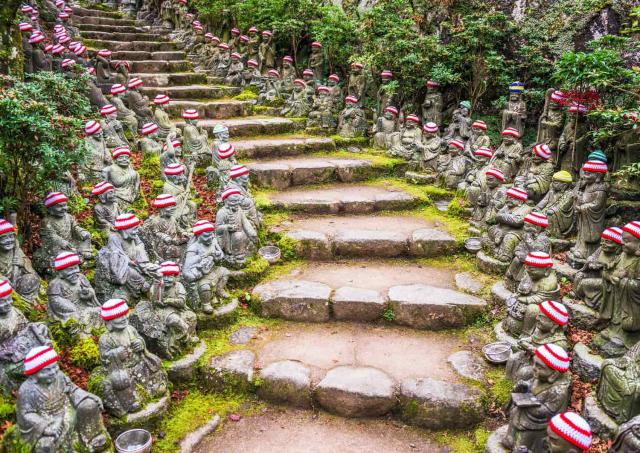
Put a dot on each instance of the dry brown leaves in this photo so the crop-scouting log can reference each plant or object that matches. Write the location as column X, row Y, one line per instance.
column 79, row 376
column 577, row 335
column 207, row 209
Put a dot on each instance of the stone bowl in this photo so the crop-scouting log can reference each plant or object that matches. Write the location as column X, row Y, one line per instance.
column 134, row 441
column 473, row 244
column 271, row 253
column 498, row 352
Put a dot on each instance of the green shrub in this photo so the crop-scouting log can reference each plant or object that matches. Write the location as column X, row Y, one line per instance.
column 85, row 354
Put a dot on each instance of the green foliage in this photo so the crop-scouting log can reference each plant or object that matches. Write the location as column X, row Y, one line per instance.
column 473, row 442
column 247, row 94
column 12, row 443
column 338, row 34
column 7, row 410
column 388, row 314
column 500, row 387
column 85, row 354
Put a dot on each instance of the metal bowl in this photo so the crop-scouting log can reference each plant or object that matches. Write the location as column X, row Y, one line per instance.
column 134, row 441
column 271, row 253
column 498, row 352
column 473, row 244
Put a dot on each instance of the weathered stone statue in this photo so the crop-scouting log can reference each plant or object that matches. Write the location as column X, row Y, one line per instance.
column 236, row 234
column 552, row 119
column 106, row 209
column 122, row 73
column 460, row 126
column 59, row 231
column 568, row 433
column 592, row 284
column 509, row 155
column 17, row 336
column 239, row 179
column 124, row 178
column 537, row 178
column 149, row 142
column 409, row 139
column 40, row 61
column 572, row 144
column 178, row 184
column 111, row 127
column 386, row 93
column 534, row 402
column 162, row 234
column 211, row 56
column 352, row 121
column 534, row 239
column 253, row 46
column 297, row 105
column 138, row 102
column 336, row 94
column 224, row 60
column 161, row 118
column 125, row 116
column 316, row 60
column 103, row 67
column 452, row 171
column 235, row 73
column 15, row 266
column 126, row 363
column 271, row 88
column 617, row 390
column 207, row 281
column 71, row 296
column 515, row 113
column 99, row 157
column 589, row 207
column 479, row 139
column 549, row 328
column 432, row 104
column 310, row 83
column 122, row 266
column 357, row 85
column 628, row 437
column 195, row 145
column 539, row 284
column 267, row 52
column 486, row 197
column 321, row 114
column 53, row 413
column 507, row 231
column 385, row 127
column 165, row 321
column 558, row 205
column 251, row 75
column 478, row 165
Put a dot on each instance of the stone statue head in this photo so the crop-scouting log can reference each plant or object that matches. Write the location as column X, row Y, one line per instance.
column 630, row 244
column 221, row 133
column 508, row 140
column 58, row 210
column 117, row 324
column 111, row 117
column 546, row 325
column 298, row 88
column 47, row 375
column 560, row 186
column 169, row 279
column 543, row 372
column 453, row 150
column 6, row 303
column 233, row 202
column 532, row 229
column 609, row 246
column 286, row 64
column 107, row 197
column 206, row 238
column 123, row 161
column 389, row 116
column 514, row 97
column 167, row 211
column 537, row 273
column 575, row 434
column 7, row 241
column 71, row 274
column 178, row 180
column 129, row 234
column 492, row 181
column 512, row 202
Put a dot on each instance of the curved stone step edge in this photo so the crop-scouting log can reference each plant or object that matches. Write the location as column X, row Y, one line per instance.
column 421, row 243
column 417, row 306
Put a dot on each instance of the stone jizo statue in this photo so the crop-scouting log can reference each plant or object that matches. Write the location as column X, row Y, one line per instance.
column 515, row 113
column 195, row 140
column 138, row 102
column 357, row 84
column 509, row 155
column 386, row 92
column 150, row 142
column 316, row 60
column 178, row 184
column 99, row 157
column 112, row 128
column 126, row 116
column 104, row 75
column 538, row 176
column 486, row 197
column 558, row 205
column 477, row 166
column 123, row 177
column 267, row 52
column 568, row 433
column 627, row 439
column 460, row 126
column 385, row 127
column 479, row 139
column 321, row 114
column 235, row 72
column 161, row 117
column 164, row 237
column 236, row 234
column 239, row 179
column 106, row 209
column 552, row 119
column 297, row 105
column 352, row 121
column 15, row 266
column 505, row 234
column 452, row 171
column 573, row 141
column 534, row 239
column 618, row 392
column 432, row 104
column 410, row 137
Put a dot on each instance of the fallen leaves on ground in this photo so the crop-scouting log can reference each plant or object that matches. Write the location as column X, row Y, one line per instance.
column 79, row 376
column 577, row 335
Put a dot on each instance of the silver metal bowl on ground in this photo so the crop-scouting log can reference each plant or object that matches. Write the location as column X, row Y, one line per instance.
column 497, row 352
column 134, row 441
column 271, row 253
column 473, row 244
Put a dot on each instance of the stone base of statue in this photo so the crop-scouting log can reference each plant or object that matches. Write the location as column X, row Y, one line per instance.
column 586, row 364
column 146, row 418
column 614, row 342
column 601, row 424
column 223, row 315
column 561, row 245
column 500, row 294
column 502, row 335
column 416, row 177
column 490, row 265
column 182, row 370
column 494, row 442
column 581, row 315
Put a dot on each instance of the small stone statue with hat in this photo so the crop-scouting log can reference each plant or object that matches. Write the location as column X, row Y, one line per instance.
column 515, row 113
column 297, row 104
column 15, row 266
column 352, row 121
column 99, row 156
column 236, row 233
column 178, row 184
column 409, row 138
column 534, row 239
column 460, row 126
column 321, row 114
column 432, row 103
column 558, row 205
column 164, row 237
column 569, row 433
column 123, row 177
column 138, row 102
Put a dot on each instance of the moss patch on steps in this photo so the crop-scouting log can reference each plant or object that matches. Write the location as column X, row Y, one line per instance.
column 464, row 441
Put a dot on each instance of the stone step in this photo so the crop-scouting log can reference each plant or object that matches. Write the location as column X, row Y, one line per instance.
column 87, row 12
column 282, row 146
column 323, row 238
column 363, row 291
column 343, row 198
column 127, row 37
column 188, row 92
column 214, row 109
column 88, row 20
column 134, row 45
column 243, row 127
column 117, row 28
column 160, row 66
column 171, row 79
column 132, row 55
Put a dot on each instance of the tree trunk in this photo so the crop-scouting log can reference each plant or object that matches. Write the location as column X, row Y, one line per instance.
column 10, row 40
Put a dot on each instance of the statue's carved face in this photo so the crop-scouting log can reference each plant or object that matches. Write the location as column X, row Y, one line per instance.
column 6, row 303
column 554, row 106
column 108, row 197
column 71, row 274
column 537, row 273
column 242, row 180
column 608, row 246
column 544, row 323
column 130, row 234
column 557, row 444
column 119, row 323
column 168, row 211
column 222, row 136
column 513, row 202
column 389, row 116
column 590, row 176
column 454, row 150
column 410, row 125
column 47, row 375
column 7, row 242
column 630, row 244
column 98, row 135
column 514, row 97
column 560, row 186
column 531, row 228
column 178, row 180
column 298, row 88
column 233, row 202
column 509, row 140
column 492, row 182
column 169, row 280
column 206, row 238
column 542, row 372
column 122, row 161
column 112, row 117
column 58, row 210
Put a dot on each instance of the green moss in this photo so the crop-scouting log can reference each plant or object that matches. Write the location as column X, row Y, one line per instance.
column 140, row 207
column 247, row 94
column 94, row 385
column 7, row 409
column 76, row 204
column 288, row 247
column 85, row 354
column 389, row 315
column 27, row 309
column 12, row 443
column 500, row 387
column 342, row 142
column 98, row 236
column 464, row 442
column 150, row 167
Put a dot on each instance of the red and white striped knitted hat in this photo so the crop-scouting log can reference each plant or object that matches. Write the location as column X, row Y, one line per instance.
column 578, row 109
column 511, row 132
column 518, row 193
column 126, row 221
column 554, row 357
column 323, row 89
column 456, row 144
column 65, row 260
column 202, row 226
column 351, row 100
column 161, row 99
column 412, row 118
column 334, row 77
column 235, row 31
column 386, row 74
column 190, row 114
column 67, row 63
column 572, row 428
column 288, row 58
column 253, row 29
column 92, row 127
column 538, row 259
column 63, row 15
column 496, row 173
column 134, row 82
column 557, row 96
column 176, row 144
column 149, row 128
column 542, row 150
column 316, row 44
column 197, row 27
column 483, row 151
column 36, row 39
column 74, row 45
column 252, row 63
column 308, row 72
column 108, row 109
column 223, row 46
column 555, row 311
column 430, row 127
column 632, row 228
column 391, row 109
column 267, row 33
column 121, row 151
column 236, row 56
column 124, row 63
column 38, row 358
column 118, row 88
column 538, row 219
column 273, row 73
column 64, row 38
column 432, row 84
column 225, row 150
column 238, row 170
column 57, row 49
column 91, row 70
column 613, row 234
column 163, row 200
column 5, row 288
column 595, row 166
column 169, row 268
column 105, row 53
column 60, row 3
column 114, row 308
column 6, row 227
column 79, row 50
column 101, row 188
column 299, row 82
column 26, row 9
column 211, row 37
column 55, row 198
column 479, row 124
column 357, row 65
column 230, row 191
column 24, row 26
column 174, row 169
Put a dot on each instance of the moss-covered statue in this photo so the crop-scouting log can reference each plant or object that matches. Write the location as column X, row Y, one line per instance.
column 352, row 121
column 205, row 278
column 224, row 60
column 627, row 439
column 460, row 126
column 453, row 165
column 271, row 88
column 509, row 155
column 478, row 165
column 150, row 142
column 618, row 392
column 535, row 401
column 106, row 208
column 572, row 145
column 316, row 60
column 589, row 207
column 123, row 177
column 486, row 196
column 321, row 114
column 178, row 184
column 235, row 73
column 125, row 115
column 15, row 266
column 336, row 93
column 592, row 284
column 138, row 102
column 59, row 231
column 99, row 156
column 385, row 128
column 357, row 84
column 164, row 237
column 552, row 119
column 267, row 52
column 253, row 46
column 505, row 234
column 568, row 433
column 432, row 104
column 479, row 139
column 165, row 321
column 534, row 239
column 539, row 172
column 386, row 93
column 123, row 69
column 17, row 336
column 195, row 144
column 515, row 113
column 102, row 63
column 54, row 414
column 549, row 327
column 239, row 179
column 127, row 365
column 297, row 104
column 236, row 233
column 558, row 205
column 161, row 118
column 111, row 127
column 410, row 136
column 540, row 283
column 210, row 54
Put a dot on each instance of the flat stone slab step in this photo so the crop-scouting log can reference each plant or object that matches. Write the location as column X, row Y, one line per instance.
column 187, row 92
column 279, row 147
column 132, row 55
column 323, row 238
column 135, row 45
column 84, row 12
column 116, row 28
column 85, row 20
column 171, row 79
column 127, row 37
column 242, row 127
column 213, row 110
column 352, row 199
column 160, row 66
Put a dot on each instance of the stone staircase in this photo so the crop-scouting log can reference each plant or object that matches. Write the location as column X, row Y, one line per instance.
column 350, row 228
